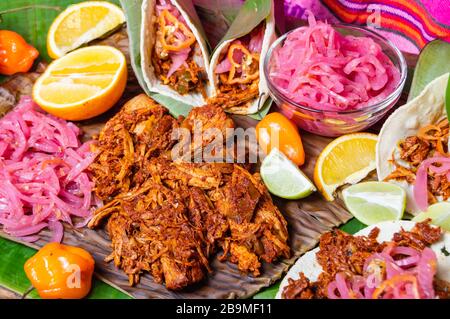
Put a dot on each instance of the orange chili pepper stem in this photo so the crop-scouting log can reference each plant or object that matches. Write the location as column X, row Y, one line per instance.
column 190, row 38
column 61, row 272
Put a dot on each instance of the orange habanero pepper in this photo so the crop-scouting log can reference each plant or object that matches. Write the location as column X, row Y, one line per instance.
column 177, row 25
column 61, row 272
column 16, row 55
column 277, row 131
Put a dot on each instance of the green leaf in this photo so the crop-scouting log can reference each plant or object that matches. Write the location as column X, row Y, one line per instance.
column 263, row 111
column 132, row 9
column 217, row 16
column 220, row 9
column 353, row 226
column 433, row 62
column 268, row 293
column 251, row 14
column 32, row 19
column 12, row 259
column 12, row 276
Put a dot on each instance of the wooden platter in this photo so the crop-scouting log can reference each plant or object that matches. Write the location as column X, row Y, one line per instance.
column 307, row 220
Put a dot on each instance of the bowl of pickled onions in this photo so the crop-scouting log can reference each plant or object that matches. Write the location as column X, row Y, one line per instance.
column 334, row 79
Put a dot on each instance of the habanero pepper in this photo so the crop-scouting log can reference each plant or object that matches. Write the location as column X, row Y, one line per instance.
column 16, row 55
column 277, row 131
column 247, row 60
column 169, row 24
column 61, row 272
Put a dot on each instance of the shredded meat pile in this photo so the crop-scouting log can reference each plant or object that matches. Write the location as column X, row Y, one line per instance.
column 430, row 141
column 168, row 217
column 231, row 96
column 341, row 252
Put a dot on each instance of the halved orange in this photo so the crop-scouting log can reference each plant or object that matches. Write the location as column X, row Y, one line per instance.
column 83, row 84
column 80, row 24
column 346, row 160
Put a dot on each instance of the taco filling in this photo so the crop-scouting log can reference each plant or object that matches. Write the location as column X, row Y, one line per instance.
column 238, row 70
column 423, row 161
column 359, row 267
column 177, row 56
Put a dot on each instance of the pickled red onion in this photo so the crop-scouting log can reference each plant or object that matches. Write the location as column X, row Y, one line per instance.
column 162, row 5
column 178, row 58
column 254, row 41
column 223, row 67
column 401, row 272
column 43, row 169
column 319, row 68
column 421, row 183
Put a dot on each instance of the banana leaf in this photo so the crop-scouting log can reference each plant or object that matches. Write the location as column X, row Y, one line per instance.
column 433, row 62
column 251, row 14
column 217, row 16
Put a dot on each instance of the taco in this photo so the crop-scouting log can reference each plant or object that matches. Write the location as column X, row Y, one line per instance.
column 174, row 52
column 389, row 260
column 412, row 148
column 236, row 69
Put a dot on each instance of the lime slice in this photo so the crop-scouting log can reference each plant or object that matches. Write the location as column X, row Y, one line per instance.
column 374, row 202
column 283, row 178
column 439, row 214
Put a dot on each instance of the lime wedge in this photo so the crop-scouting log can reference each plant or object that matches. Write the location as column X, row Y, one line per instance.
column 439, row 214
column 283, row 178
column 374, row 202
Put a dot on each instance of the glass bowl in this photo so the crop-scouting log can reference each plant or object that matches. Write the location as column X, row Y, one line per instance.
column 336, row 123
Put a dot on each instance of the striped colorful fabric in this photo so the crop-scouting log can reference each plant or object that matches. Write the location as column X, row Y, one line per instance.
column 409, row 23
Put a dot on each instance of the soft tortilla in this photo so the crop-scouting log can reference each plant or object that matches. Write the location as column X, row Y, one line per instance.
column 427, row 108
column 148, row 34
column 255, row 105
column 310, row 267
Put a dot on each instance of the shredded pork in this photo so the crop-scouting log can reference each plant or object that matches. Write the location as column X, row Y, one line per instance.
column 169, row 217
column 430, row 141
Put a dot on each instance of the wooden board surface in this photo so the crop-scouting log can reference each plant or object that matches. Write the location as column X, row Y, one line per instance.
column 307, row 220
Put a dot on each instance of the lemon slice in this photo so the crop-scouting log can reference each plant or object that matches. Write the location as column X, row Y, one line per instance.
column 81, row 23
column 346, row 160
column 439, row 214
column 375, row 202
column 82, row 84
column 283, row 178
